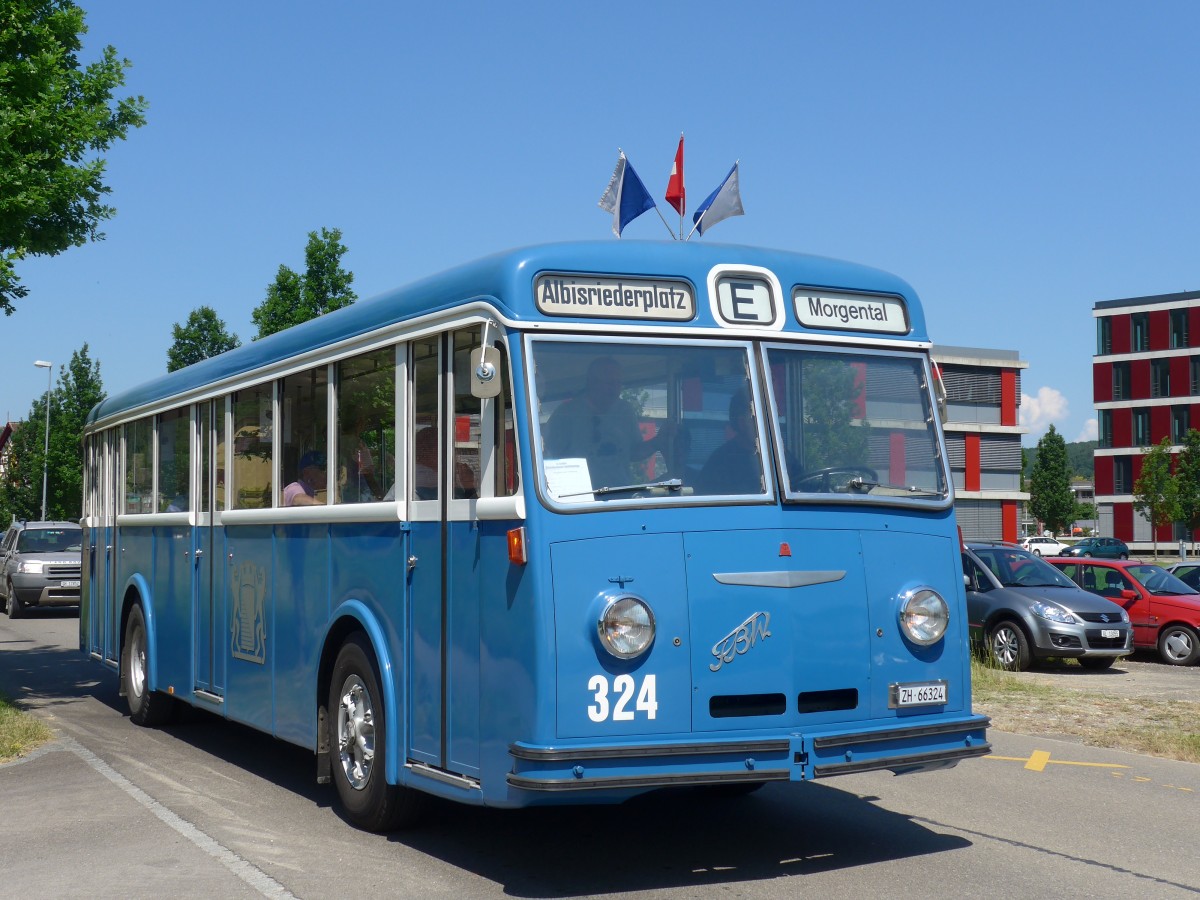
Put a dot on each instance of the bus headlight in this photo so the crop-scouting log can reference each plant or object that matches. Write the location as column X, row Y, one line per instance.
column 924, row 616
column 626, row 627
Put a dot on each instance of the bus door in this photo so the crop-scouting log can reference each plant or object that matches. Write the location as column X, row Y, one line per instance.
column 107, row 586
column 209, row 487
column 450, row 447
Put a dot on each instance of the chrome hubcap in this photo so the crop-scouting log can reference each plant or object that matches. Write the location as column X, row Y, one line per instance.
column 1004, row 646
column 137, row 666
column 1178, row 645
column 356, row 732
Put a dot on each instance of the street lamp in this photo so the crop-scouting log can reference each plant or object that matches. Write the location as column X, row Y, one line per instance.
column 42, row 364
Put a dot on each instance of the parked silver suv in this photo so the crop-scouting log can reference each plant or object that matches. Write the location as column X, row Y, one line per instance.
column 42, row 565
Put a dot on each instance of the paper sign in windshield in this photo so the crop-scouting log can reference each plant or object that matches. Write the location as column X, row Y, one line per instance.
column 850, row 312
column 614, row 297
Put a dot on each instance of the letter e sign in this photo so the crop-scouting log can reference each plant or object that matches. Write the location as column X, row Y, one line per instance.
column 743, row 301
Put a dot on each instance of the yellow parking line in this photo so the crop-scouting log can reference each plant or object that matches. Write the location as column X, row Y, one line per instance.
column 1039, row 759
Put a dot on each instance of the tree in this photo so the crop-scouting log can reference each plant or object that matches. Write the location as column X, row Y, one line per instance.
column 1051, row 499
column 56, row 121
column 203, row 335
column 295, row 298
column 1154, row 493
column 79, row 388
column 1187, row 481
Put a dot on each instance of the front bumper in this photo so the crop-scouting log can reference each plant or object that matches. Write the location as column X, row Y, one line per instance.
column 38, row 590
column 794, row 757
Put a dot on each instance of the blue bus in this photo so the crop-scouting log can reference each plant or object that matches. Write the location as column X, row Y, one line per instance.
column 566, row 524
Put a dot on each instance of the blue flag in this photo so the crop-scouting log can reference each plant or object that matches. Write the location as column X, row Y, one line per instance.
column 722, row 203
column 626, row 197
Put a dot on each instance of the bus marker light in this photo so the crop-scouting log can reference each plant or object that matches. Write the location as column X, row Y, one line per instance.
column 785, row 549
column 516, row 546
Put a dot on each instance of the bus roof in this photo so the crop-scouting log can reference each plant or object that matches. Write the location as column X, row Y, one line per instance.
column 505, row 280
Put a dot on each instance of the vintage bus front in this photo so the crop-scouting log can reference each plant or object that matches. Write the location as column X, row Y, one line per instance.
column 744, row 540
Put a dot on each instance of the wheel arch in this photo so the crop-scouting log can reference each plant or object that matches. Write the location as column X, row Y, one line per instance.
column 354, row 616
column 137, row 593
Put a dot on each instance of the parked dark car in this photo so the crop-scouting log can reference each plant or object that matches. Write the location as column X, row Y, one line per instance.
column 1100, row 547
column 42, row 565
column 1164, row 611
column 1187, row 572
column 1020, row 608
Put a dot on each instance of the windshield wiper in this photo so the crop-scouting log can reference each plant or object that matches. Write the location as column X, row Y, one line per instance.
column 671, row 484
column 861, row 485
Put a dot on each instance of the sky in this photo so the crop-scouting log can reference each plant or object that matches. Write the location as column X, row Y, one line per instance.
column 1015, row 163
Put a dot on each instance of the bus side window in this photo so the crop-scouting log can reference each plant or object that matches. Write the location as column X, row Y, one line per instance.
column 366, row 431
column 505, row 438
column 304, row 422
column 252, row 450
column 467, row 407
column 425, row 427
column 174, row 466
column 139, row 475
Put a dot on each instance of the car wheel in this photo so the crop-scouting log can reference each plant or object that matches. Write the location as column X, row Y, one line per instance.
column 358, row 736
column 1097, row 662
column 1124, row 556
column 1037, row 552
column 13, row 606
column 1087, row 552
column 146, row 707
column 1008, row 647
column 1178, row 645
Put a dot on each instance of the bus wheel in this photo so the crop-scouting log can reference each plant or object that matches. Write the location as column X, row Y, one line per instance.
column 1008, row 647
column 146, row 707
column 1178, row 645
column 358, row 736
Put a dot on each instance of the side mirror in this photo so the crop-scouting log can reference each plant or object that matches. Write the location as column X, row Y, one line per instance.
column 1127, row 594
column 485, row 372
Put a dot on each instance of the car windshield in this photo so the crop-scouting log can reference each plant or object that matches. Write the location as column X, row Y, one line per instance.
column 1157, row 581
column 1018, row 568
column 49, row 540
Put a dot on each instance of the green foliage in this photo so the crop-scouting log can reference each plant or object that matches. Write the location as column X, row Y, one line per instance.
column 56, row 121
column 202, row 336
column 1154, row 493
column 831, row 395
column 79, row 389
column 1082, row 458
column 1187, row 480
column 1051, row 499
column 325, row 286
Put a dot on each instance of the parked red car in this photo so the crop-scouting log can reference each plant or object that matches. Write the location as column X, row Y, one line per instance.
column 1164, row 611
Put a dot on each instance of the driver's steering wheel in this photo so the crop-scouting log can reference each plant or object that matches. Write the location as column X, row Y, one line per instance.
column 822, row 481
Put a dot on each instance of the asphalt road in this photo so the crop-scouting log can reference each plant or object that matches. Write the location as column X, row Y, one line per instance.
column 205, row 808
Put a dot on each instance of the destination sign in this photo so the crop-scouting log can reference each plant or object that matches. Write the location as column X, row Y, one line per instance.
column 614, row 297
column 850, row 312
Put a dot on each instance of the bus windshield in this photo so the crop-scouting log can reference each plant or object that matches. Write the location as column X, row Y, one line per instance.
column 622, row 421
column 671, row 421
column 856, row 423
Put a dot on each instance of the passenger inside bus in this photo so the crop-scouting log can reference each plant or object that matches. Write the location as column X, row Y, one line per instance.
column 601, row 427
column 303, row 491
column 735, row 467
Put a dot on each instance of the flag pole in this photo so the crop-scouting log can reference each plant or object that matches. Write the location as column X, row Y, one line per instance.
column 664, row 221
column 683, row 199
column 697, row 225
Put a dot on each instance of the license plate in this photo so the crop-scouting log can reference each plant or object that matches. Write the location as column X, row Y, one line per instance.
column 68, row 584
column 1109, row 633
column 923, row 693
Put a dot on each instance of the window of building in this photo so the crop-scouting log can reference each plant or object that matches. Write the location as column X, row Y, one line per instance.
column 1120, row 376
column 1139, row 332
column 1122, row 475
column 1103, row 336
column 1179, row 423
column 1160, row 378
column 1179, row 328
column 1195, row 371
column 1104, row 429
column 1141, row 428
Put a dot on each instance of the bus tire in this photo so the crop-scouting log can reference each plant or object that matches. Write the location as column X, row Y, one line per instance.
column 358, row 736
column 1008, row 647
column 1178, row 645
column 146, row 707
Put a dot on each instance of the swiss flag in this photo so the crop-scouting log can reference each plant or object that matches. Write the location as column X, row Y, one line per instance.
column 676, row 195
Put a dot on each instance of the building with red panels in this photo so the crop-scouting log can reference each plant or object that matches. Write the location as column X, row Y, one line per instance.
column 983, row 439
column 1146, row 385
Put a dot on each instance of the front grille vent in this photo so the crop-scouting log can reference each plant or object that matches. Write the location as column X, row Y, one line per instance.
column 736, row 705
